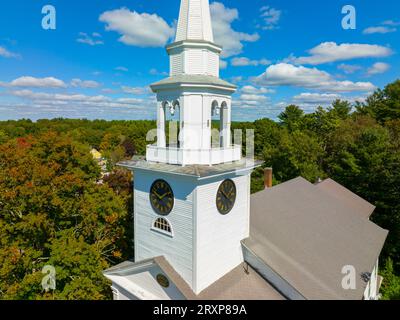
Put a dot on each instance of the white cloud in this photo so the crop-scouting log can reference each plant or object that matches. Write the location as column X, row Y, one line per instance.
column 379, row 29
column 378, row 68
column 253, row 90
column 387, row 26
column 110, row 91
column 236, row 79
column 243, row 62
column 223, row 64
column 86, row 39
column 120, row 68
column 33, row 82
column 135, row 90
column 349, row 68
column 284, row 74
column 310, row 101
column 224, row 34
column 315, row 98
column 330, row 52
column 76, row 99
column 391, row 23
column 253, row 98
column 271, row 17
column 89, row 84
column 254, row 102
column 8, row 54
column 138, row 29
column 155, row 72
column 250, row 96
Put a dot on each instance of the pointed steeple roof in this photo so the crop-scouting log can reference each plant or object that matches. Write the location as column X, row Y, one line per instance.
column 194, row 21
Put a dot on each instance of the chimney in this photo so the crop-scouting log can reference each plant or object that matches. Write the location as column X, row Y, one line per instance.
column 268, row 178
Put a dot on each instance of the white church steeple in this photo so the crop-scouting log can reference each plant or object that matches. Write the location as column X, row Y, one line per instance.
column 194, row 21
column 192, row 194
column 195, row 95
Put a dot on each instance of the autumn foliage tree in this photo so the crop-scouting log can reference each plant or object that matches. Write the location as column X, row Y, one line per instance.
column 52, row 212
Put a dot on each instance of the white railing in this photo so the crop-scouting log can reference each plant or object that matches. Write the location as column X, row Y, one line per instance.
column 173, row 155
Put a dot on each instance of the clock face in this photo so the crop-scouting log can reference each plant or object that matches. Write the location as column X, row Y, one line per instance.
column 161, row 197
column 226, row 197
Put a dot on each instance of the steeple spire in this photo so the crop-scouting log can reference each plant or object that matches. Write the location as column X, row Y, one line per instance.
column 194, row 21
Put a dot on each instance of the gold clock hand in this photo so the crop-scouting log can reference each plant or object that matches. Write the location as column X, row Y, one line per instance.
column 223, row 192
column 158, row 196
column 164, row 195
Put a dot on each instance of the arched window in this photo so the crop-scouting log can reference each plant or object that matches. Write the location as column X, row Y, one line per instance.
column 162, row 225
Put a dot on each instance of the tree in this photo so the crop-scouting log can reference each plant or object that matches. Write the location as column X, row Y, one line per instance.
column 383, row 105
column 390, row 289
column 129, row 146
column 53, row 212
column 3, row 137
column 291, row 117
column 297, row 154
column 340, row 109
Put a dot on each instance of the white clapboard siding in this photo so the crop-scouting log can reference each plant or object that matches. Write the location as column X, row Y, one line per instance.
column 194, row 61
column 194, row 21
column 195, row 27
column 181, row 32
column 213, row 64
column 218, row 237
column 176, row 62
column 178, row 250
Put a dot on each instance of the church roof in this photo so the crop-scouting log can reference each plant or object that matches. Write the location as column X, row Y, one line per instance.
column 307, row 233
column 344, row 195
column 193, row 79
column 242, row 283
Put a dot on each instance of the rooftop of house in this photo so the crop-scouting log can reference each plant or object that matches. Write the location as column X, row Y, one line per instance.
column 307, row 233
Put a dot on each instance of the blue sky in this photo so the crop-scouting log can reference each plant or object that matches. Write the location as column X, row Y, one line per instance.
column 103, row 55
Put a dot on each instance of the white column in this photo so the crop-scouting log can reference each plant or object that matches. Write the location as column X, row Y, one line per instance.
column 161, row 137
column 225, row 125
column 228, row 139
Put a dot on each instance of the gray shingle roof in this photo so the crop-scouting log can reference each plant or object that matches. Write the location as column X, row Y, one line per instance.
column 307, row 235
column 347, row 197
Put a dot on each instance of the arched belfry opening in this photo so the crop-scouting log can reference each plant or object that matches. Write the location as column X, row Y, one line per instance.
column 215, row 124
column 170, row 122
column 220, row 124
column 174, row 124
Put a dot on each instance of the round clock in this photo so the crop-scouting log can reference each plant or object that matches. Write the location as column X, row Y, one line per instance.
column 162, row 280
column 226, row 197
column 161, row 197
